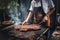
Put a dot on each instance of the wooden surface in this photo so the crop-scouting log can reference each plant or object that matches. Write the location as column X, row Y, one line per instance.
column 26, row 34
column 23, row 27
column 30, row 34
column 28, row 27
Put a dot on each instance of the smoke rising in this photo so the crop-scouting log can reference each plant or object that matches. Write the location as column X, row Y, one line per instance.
column 19, row 13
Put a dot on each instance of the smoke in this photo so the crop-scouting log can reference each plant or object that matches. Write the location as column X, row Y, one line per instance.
column 19, row 13
column 24, row 8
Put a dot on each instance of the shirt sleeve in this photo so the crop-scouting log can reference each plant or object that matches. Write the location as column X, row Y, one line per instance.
column 52, row 5
column 31, row 6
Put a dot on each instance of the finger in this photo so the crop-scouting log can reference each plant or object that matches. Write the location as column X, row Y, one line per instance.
column 23, row 23
column 44, row 20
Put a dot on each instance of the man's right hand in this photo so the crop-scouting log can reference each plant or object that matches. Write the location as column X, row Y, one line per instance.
column 24, row 22
column 28, row 18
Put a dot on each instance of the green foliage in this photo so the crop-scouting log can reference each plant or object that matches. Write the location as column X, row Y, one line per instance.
column 5, row 3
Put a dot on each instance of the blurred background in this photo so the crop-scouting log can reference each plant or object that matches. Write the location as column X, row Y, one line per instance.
column 17, row 11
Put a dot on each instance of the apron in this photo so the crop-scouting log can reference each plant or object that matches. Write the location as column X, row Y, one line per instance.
column 35, row 12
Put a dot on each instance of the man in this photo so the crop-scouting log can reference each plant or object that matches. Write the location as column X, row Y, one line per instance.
column 38, row 9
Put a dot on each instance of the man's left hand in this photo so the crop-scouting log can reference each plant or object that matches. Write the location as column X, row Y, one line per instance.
column 46, row 18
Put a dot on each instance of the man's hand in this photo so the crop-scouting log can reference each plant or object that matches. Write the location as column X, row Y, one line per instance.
column 24, row 22
column 46, row 18
column 28, row 18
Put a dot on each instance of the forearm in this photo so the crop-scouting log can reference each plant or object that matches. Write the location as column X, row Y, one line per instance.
column 51, row 11
column 29, row 16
